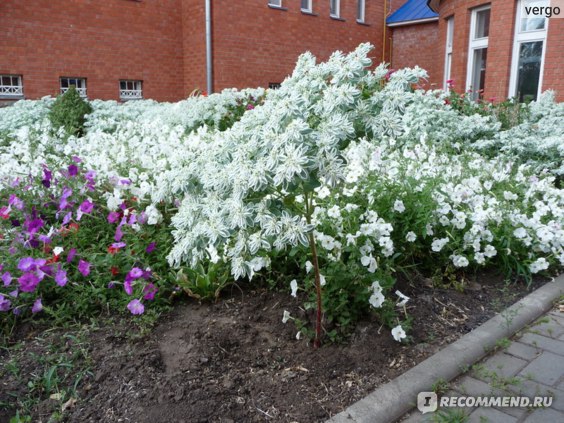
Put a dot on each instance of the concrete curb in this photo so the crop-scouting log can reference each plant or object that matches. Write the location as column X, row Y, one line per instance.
column 392, row 400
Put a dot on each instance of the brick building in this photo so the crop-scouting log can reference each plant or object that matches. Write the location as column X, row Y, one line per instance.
column 165, row 49
column 487, row 45
column 125, row 49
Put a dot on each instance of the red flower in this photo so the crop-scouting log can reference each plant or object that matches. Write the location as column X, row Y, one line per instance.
column 114, row 270
column 113, row 250
column 53, row 259
column 74, row 227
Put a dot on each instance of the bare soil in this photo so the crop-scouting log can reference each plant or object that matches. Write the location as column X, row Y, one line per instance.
column 235, row 361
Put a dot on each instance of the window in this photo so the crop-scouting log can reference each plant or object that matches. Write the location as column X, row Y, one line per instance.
column 78, row 83
column 361, row 10
column 130, row 90
column 478, row 51
column 448, row 54
column 528, row 53
column 306, row 6
column 275, row 3
column 335, row 8
column 11, row 86
column 274, row 85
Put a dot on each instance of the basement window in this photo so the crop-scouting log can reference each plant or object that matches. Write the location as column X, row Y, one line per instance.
column 306, row 6
column 78, row 83
column 130, row 90
column 11, row 86
column 335, row 8
column 275, row 3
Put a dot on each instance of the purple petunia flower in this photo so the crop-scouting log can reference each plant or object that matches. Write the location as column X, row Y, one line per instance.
column 27, row 264
column 86, row 207
column 132, row 219
column 67, row 218
column 142, row 218
column 118, row 244
column 111, row 284
column 47, row 176
column 127, row 286
column 7, row 278
column 16, row 202
column 84, row 267
column 28, row 282
column 151, row 247
column 149, row 292
column 37, row 306
column 113, row 217
column 33, row 225
column 71, row 254
column 76, row 159
column 135, row 273
column 136, row 307
column 61, row 277
column 44, row 239
column 14, row 293
column 5, row 303
column 119, row 234
column 73, row 170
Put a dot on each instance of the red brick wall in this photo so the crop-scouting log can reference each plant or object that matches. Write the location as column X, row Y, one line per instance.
column 101, row 40
column 418, row 45
column 553, row 77
column 254, row 44
column 500, row 46
column 194, row 45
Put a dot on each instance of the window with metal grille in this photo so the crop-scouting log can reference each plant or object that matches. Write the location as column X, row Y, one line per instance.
column 130, row 89
column 11, row 86
column 78, row 83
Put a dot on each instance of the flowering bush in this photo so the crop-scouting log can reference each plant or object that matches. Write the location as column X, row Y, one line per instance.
column 338, row 180
column 58, row 242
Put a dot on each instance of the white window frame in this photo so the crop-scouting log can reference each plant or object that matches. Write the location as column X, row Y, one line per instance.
column 80, row 85
column 308, row 8
column 519, row 38
column 337, row 8
column 275, row 3
column 133, row 93
column 448, row 52
column 11, row 91
column 361, row 11
column 475, row 44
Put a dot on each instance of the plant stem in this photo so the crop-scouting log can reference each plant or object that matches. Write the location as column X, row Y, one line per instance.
column 317, row 341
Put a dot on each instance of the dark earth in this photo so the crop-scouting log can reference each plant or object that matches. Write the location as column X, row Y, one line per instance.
column 232, row 361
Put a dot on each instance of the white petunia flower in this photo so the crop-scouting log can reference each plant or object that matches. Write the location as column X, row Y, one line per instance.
column 410, row 237
column 398, row 333
column 399, row 206
column 286, row 316
column 404, row 298
column 58, row 250
column 294, row 287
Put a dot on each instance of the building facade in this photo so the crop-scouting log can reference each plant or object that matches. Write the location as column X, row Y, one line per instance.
column 127, row 49
column 166, row 49
column 488, row 47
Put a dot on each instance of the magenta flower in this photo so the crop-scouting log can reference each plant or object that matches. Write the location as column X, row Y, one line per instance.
column 47, row 176
column 86, row 207
column 119, row 234
column 73, row 170
column 27, row 264
column 136, row 307
column 149, row 292
column 5, row 303
column 132, row 219
column 71, row 254
column 61, row 277
column 5, row 212
column 84, row 267
column 76, row 159
column 135, row 273
column 67, row 218
column 151, row 247
column 16, row 202
column 28, row 282
column 34, row 225
column 7, row 278
column 37, row 306
column 127, row 286
column 113, row 217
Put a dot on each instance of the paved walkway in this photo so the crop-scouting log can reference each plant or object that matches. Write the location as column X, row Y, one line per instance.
column 530, row 364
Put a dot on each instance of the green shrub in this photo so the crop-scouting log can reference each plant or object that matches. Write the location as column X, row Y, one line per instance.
column 69, row 111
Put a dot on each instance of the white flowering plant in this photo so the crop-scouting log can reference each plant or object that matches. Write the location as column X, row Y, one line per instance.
column 334, row 182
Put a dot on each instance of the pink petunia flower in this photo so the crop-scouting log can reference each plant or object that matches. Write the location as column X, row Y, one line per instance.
column 136, row 307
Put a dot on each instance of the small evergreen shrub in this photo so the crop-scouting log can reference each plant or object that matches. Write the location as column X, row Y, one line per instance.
column 69, row 111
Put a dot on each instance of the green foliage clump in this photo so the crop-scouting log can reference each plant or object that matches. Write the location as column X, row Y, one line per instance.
column 69, row 111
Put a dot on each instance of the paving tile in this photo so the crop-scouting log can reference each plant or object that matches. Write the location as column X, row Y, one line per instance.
column 503, row 365
column 553, row 345
column 470, row 386
column 547, row 368
column 546, row 415
column 523, row 351
column 414, row 417
column 532, row 389
column 553, row 328
column 491, row 415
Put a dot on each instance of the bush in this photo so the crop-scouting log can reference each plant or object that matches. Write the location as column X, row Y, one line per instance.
column 69, row 112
